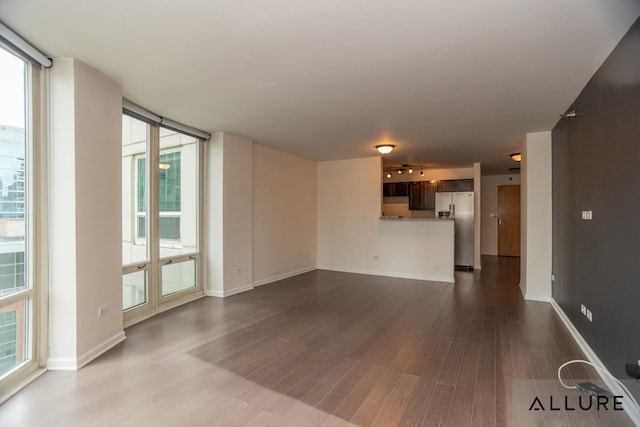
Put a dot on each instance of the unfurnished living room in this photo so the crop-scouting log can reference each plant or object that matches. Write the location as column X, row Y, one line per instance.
column 319, row 213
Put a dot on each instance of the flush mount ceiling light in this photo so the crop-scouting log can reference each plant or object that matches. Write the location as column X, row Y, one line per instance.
column 385, row 148
column 164, row 166
column 517, row 157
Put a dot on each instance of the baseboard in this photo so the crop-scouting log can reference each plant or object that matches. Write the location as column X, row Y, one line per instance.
column 71, row 364
column 445, row 279
column 272, row 279
column 229, row 292
column 631, row 411
column 539, row 298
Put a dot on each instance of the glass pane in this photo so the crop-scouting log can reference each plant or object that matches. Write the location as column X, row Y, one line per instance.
column 178, row 193
column 13, row 336
column 178, row 277
column 134, row 289
column 135, row 134
column 13, row 154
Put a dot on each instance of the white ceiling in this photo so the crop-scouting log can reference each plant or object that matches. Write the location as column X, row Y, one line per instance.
column 451, row 83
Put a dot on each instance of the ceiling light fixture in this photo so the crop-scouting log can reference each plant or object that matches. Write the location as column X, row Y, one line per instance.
column 164, row 166
column 385, row 148
column 388, row 171
column 517, row 157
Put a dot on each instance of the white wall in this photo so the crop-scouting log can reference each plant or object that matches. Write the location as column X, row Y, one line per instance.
column 229, row 215
column 477, row 209
column 62, row 212
column 489, row 209
column 351, row 237
column 86, row 206
column 535, row 261
column 284, row 215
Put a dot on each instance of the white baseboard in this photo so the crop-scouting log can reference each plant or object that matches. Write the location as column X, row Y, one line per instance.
column 539, row 298
column 430, row 278
column 71, row 364
column 229, row 292
column 272, row 279
column 631, row 411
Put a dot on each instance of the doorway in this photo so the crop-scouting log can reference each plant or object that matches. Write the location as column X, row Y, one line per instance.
column 509, row 220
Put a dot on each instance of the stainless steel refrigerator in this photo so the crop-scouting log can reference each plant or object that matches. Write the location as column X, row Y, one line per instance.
column 459, row 206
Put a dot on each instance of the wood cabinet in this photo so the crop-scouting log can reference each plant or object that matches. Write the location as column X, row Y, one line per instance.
column 453, row 185
column 464, row 185
column 395, row 189
column 446, row 186
column 422, row 195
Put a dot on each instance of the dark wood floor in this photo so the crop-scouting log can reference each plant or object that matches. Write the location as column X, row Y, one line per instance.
column 324, row 348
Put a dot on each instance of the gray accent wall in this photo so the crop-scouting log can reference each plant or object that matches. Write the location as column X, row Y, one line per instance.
column 596, row 166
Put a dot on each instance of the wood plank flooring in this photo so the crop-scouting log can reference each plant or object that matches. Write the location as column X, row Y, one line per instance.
column 324, row 349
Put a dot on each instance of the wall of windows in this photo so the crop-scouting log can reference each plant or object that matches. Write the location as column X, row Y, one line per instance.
column 160, row 217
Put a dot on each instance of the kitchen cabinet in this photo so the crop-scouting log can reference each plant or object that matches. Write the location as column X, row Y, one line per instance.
column 395, row 189
column 422, row 195
column 446, row 186
column 464, row 185
column 455, row 185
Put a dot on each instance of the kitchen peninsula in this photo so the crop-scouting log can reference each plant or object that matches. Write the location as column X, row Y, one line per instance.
column 422, row 246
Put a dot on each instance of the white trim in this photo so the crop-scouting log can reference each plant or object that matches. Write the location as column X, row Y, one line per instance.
column 631, row 410
column 22, row 384
column 70, row 364
column 229, row 292
column 445, row 279
column 272, row 279
column 538, row 298
column 24, row 46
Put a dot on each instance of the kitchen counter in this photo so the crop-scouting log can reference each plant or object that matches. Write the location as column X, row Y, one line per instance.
column 414, row 248
column 400, row 218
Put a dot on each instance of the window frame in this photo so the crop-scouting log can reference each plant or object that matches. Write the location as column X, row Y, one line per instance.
column 156, row 302
column 36, row 267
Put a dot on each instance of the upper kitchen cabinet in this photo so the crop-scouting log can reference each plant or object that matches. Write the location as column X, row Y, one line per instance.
column 464, row 185
column 395, row 189
column 453, row 185
column 422, row 195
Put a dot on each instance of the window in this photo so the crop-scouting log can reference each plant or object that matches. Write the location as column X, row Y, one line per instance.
column 169, row 196
column 160, row 218
column 20, row 348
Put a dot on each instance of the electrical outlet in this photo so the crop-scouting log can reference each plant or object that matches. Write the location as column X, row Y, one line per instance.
column 103, row 311
column 583, row 309
column 589, row 316
column 587, row 214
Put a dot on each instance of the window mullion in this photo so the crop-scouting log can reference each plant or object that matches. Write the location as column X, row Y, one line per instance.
column 153, row 217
